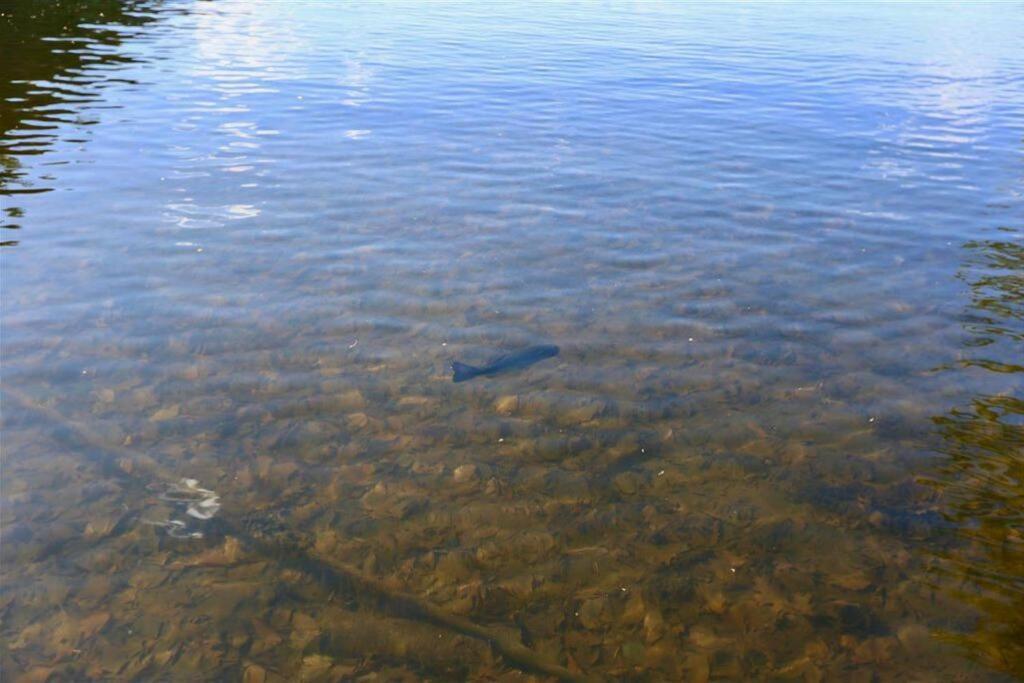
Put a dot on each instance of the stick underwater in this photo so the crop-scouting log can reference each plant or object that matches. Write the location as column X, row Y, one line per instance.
column 331, row 572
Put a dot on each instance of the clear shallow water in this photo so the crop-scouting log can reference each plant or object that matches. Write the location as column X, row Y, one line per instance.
column 779, row 247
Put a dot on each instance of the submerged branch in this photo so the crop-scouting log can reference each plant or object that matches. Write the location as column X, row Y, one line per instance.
column 333, row 573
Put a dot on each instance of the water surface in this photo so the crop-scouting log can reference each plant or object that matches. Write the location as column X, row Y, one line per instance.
column 781, row 249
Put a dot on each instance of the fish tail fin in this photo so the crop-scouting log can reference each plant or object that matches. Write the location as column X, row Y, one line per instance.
column 461, row 372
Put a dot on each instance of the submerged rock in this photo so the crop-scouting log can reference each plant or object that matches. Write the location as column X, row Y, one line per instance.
column 465, row 473
column 506, row 405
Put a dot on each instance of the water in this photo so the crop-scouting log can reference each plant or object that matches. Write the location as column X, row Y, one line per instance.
column 779, row 246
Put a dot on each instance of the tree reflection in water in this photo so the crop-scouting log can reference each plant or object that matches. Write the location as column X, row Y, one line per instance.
column 58, row 57
column 981, row 482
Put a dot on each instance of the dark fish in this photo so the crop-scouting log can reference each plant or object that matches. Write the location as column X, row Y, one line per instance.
column 511, row 361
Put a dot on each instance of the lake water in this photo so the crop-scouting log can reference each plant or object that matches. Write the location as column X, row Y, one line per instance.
column 780, row 247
